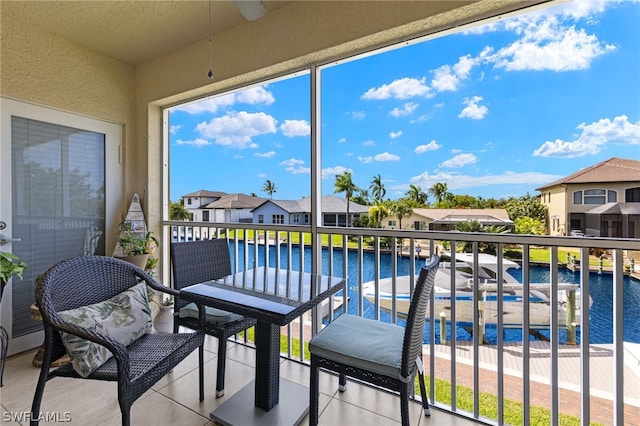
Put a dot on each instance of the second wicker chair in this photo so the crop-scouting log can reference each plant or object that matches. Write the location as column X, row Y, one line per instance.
column 379, row 353
column 194, row 262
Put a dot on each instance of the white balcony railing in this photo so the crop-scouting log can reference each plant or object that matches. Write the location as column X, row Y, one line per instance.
column 584, row 370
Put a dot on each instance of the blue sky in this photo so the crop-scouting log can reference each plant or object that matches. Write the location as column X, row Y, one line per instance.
column 494, row 111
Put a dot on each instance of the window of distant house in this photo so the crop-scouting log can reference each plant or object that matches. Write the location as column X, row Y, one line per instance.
column 632, row 195
column 189, row 201
column 191, row 216
column 295, row 218
column 278, row 218
column 307, row 218
column 577, row 197
column 205, row 216
column 392, row 223
column 595, row 196
column 260, row 218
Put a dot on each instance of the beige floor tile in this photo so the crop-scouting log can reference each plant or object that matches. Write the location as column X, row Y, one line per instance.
column 185, row 389
column 174, row 399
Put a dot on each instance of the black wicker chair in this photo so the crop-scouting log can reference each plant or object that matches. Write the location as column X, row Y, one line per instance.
column 195, row 262
column 382, row 354
column 87, row 280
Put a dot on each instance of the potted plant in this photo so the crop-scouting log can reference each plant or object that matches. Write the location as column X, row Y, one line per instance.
column 136, row 245
column 163, row 320
column 10, row 265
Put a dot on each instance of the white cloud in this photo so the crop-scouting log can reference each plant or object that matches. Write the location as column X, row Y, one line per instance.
column 457, row 181
column 395, row 135
column 357, row 115
column 253, row 96
column 332, row 172
column 342, row 140
column 547, row 44
column 546, row 41
column 295, row 166
column 593, row 138
column 403, row 88
column 459, row 160
column 265, row 154
column 431, row 146
column 175, row 128
column 385, row 156
column 407, row 109
column 464, row 66
column 445, row 79
column 449, row 78
column 198, row 143
column 257, row 95
column 237, row 128
column 369, row 142
column 473, row 110
column 293, row 128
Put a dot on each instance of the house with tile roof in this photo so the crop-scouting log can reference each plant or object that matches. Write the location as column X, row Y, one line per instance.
column 298, row 212
column 194, row 202
column 602, row 200
column 447, row 219
column 231, row 208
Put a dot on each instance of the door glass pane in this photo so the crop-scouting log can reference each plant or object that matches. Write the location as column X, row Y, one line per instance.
column 58, row 203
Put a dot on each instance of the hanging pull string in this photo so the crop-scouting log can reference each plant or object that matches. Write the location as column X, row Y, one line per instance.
column 210, row 74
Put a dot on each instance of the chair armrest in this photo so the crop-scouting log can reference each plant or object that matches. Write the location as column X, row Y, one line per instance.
column 156, row 286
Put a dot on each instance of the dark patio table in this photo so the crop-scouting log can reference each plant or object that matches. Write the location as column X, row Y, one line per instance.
column 274, row 297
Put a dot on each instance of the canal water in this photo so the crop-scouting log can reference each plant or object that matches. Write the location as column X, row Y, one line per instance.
column 601, row 313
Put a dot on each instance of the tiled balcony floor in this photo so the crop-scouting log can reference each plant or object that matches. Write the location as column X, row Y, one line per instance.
column 174, row 399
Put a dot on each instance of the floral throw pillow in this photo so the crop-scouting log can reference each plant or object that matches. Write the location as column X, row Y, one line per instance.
column 125, row 318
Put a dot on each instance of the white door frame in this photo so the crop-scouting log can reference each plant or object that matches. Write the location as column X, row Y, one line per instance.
column 113, row 186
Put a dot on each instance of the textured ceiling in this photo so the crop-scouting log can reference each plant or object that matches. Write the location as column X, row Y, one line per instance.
column 131, row 31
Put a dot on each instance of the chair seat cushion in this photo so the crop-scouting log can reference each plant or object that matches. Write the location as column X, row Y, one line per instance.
column 362, row 343
column 213, row 315
column 125, row 318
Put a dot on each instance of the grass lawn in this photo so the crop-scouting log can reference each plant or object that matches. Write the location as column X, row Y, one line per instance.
column 540, row 254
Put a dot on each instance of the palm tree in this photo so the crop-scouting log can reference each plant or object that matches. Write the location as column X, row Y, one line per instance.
column 377, row 188
column 401, row 210
column 362, row 197
column 177, row 211
column 378, row 212
column 416, row 194
column 439, row 191
column 269, row 187
column 345, row 184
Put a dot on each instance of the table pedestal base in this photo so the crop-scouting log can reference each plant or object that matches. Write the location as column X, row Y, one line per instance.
column 239, row 410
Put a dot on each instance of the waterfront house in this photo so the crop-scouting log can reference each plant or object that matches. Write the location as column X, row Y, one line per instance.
column 231, row 208
column 602, row 201
column 195, row 203
column 298, row 212
column 447, row 219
